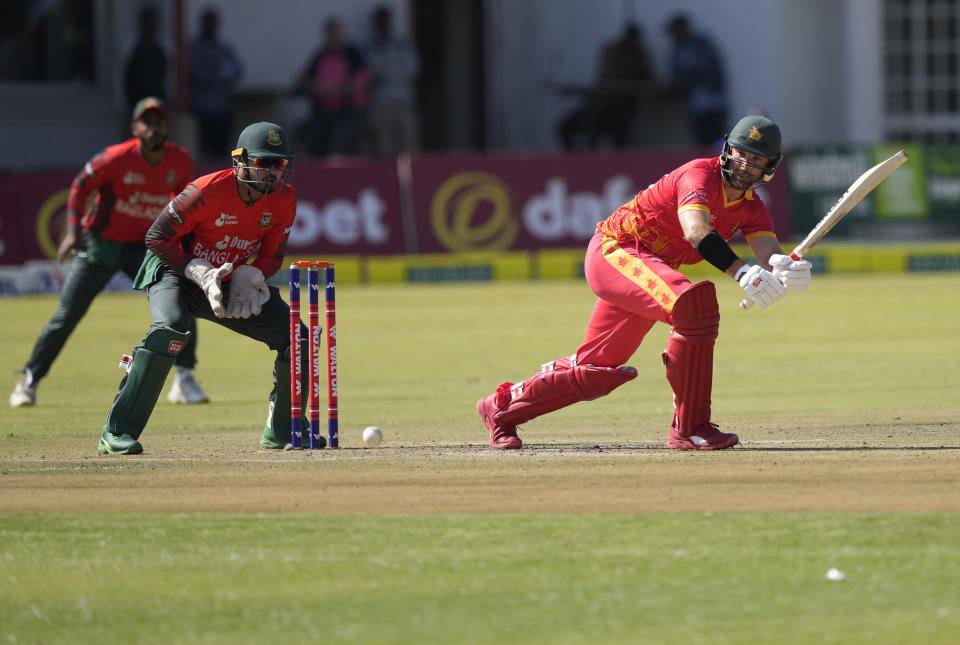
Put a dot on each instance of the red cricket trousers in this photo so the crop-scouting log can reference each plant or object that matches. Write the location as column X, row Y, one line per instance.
column 635, row 289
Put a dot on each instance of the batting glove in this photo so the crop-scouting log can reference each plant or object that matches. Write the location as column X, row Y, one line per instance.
column 793, row 274
column 203, row 273
column 248, row 292
column 761, row 287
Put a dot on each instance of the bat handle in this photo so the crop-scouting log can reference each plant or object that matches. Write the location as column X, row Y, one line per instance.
column 795, row 257
column 746, row 303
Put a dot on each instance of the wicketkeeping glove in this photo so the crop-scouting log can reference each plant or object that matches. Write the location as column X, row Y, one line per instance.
column 793, row 274
column 761, row 286
column 248, row 292
column 203, row 273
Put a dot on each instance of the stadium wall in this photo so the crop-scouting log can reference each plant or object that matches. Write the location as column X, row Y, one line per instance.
column 445, row 217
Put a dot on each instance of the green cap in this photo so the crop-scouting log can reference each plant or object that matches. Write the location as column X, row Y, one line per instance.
column 756, row 134
column 144, row 105
column 264, row 140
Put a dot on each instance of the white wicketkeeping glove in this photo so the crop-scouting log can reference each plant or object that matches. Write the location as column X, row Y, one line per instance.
column 248, row 292
column 793, row 274
column 203, row 273
column 761, row 287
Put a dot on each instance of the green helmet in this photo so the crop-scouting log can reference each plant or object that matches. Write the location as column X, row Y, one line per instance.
column 262, row 150
column 757, row 135
column 263, row 140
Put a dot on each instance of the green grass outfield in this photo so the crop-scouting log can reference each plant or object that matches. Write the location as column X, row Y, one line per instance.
column 793, row 381
column 534, row 578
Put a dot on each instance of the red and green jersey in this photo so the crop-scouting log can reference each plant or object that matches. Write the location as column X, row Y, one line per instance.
column 208, row 220
column 130, row 192
column 652, row 216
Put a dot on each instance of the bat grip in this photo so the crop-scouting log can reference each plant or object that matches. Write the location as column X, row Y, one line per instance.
column 795, row 257
column 746, row 303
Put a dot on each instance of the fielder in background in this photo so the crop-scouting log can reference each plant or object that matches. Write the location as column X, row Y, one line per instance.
column 132, row 180
column 197, row 267
column 632, row 265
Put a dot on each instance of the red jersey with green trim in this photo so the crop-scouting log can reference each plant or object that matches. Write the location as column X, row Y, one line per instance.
column 652, row 216
column 208, row 220
column 130, row 192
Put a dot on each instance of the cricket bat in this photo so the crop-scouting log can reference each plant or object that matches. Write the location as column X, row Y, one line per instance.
column 853, row 196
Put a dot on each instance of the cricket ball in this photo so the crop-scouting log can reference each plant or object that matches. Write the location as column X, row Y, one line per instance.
column 372, row 436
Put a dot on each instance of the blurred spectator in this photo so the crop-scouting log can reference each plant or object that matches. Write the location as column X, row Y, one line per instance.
column 214, row 71
column 47, row 41
column 696, row 72
column 145, row 72
column 624, row 75
column 338, row 80
column 394, row 66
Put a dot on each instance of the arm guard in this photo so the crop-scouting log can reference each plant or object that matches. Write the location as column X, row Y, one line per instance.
column 716, row 251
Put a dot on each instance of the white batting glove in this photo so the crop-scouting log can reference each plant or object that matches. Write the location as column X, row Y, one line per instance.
column 248, row 292
column 203, row 273
column 761, row 287
column 793, row 274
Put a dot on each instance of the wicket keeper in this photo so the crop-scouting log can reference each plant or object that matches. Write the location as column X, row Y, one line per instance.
column 209, row 254
column 132, row 181
column 633, row 263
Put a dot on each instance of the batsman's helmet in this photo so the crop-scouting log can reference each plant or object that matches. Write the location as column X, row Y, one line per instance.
column 757, row 135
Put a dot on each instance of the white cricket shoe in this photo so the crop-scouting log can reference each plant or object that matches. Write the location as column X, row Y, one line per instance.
column 23, row 395
column 185, row 389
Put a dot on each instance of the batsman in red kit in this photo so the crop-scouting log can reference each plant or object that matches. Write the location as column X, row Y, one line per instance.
column 209, row 254
column 632, row 264
column 132, row 181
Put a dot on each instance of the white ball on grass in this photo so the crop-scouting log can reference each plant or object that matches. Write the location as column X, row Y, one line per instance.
column 372, row 436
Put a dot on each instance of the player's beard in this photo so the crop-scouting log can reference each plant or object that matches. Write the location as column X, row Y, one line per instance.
column 741, row 177
column 154, row 142
column 266, row 184
column 264, row 187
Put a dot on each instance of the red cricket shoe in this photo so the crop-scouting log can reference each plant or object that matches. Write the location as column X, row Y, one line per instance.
column 707, row 437
column 501, row 437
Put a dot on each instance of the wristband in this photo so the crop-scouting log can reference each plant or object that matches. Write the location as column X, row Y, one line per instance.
column 741, row 271
column 73, row 221
column 716, row 251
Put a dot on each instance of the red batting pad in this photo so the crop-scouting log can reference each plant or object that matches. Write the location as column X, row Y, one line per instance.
column 559, row 386
column 689, row 355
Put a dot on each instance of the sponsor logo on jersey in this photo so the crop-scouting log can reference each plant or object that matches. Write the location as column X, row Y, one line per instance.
column 226, row 219
column 234, row 242
column 216, row 257
column 171, row 177
column 134, row 178
column 147, row 198
column 173, row 213
column 265, row 220
column 141, row 205
column 698, row 195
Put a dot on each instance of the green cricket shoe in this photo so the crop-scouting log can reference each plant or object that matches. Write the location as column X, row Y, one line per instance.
column 124, row 444
column 269, row 441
